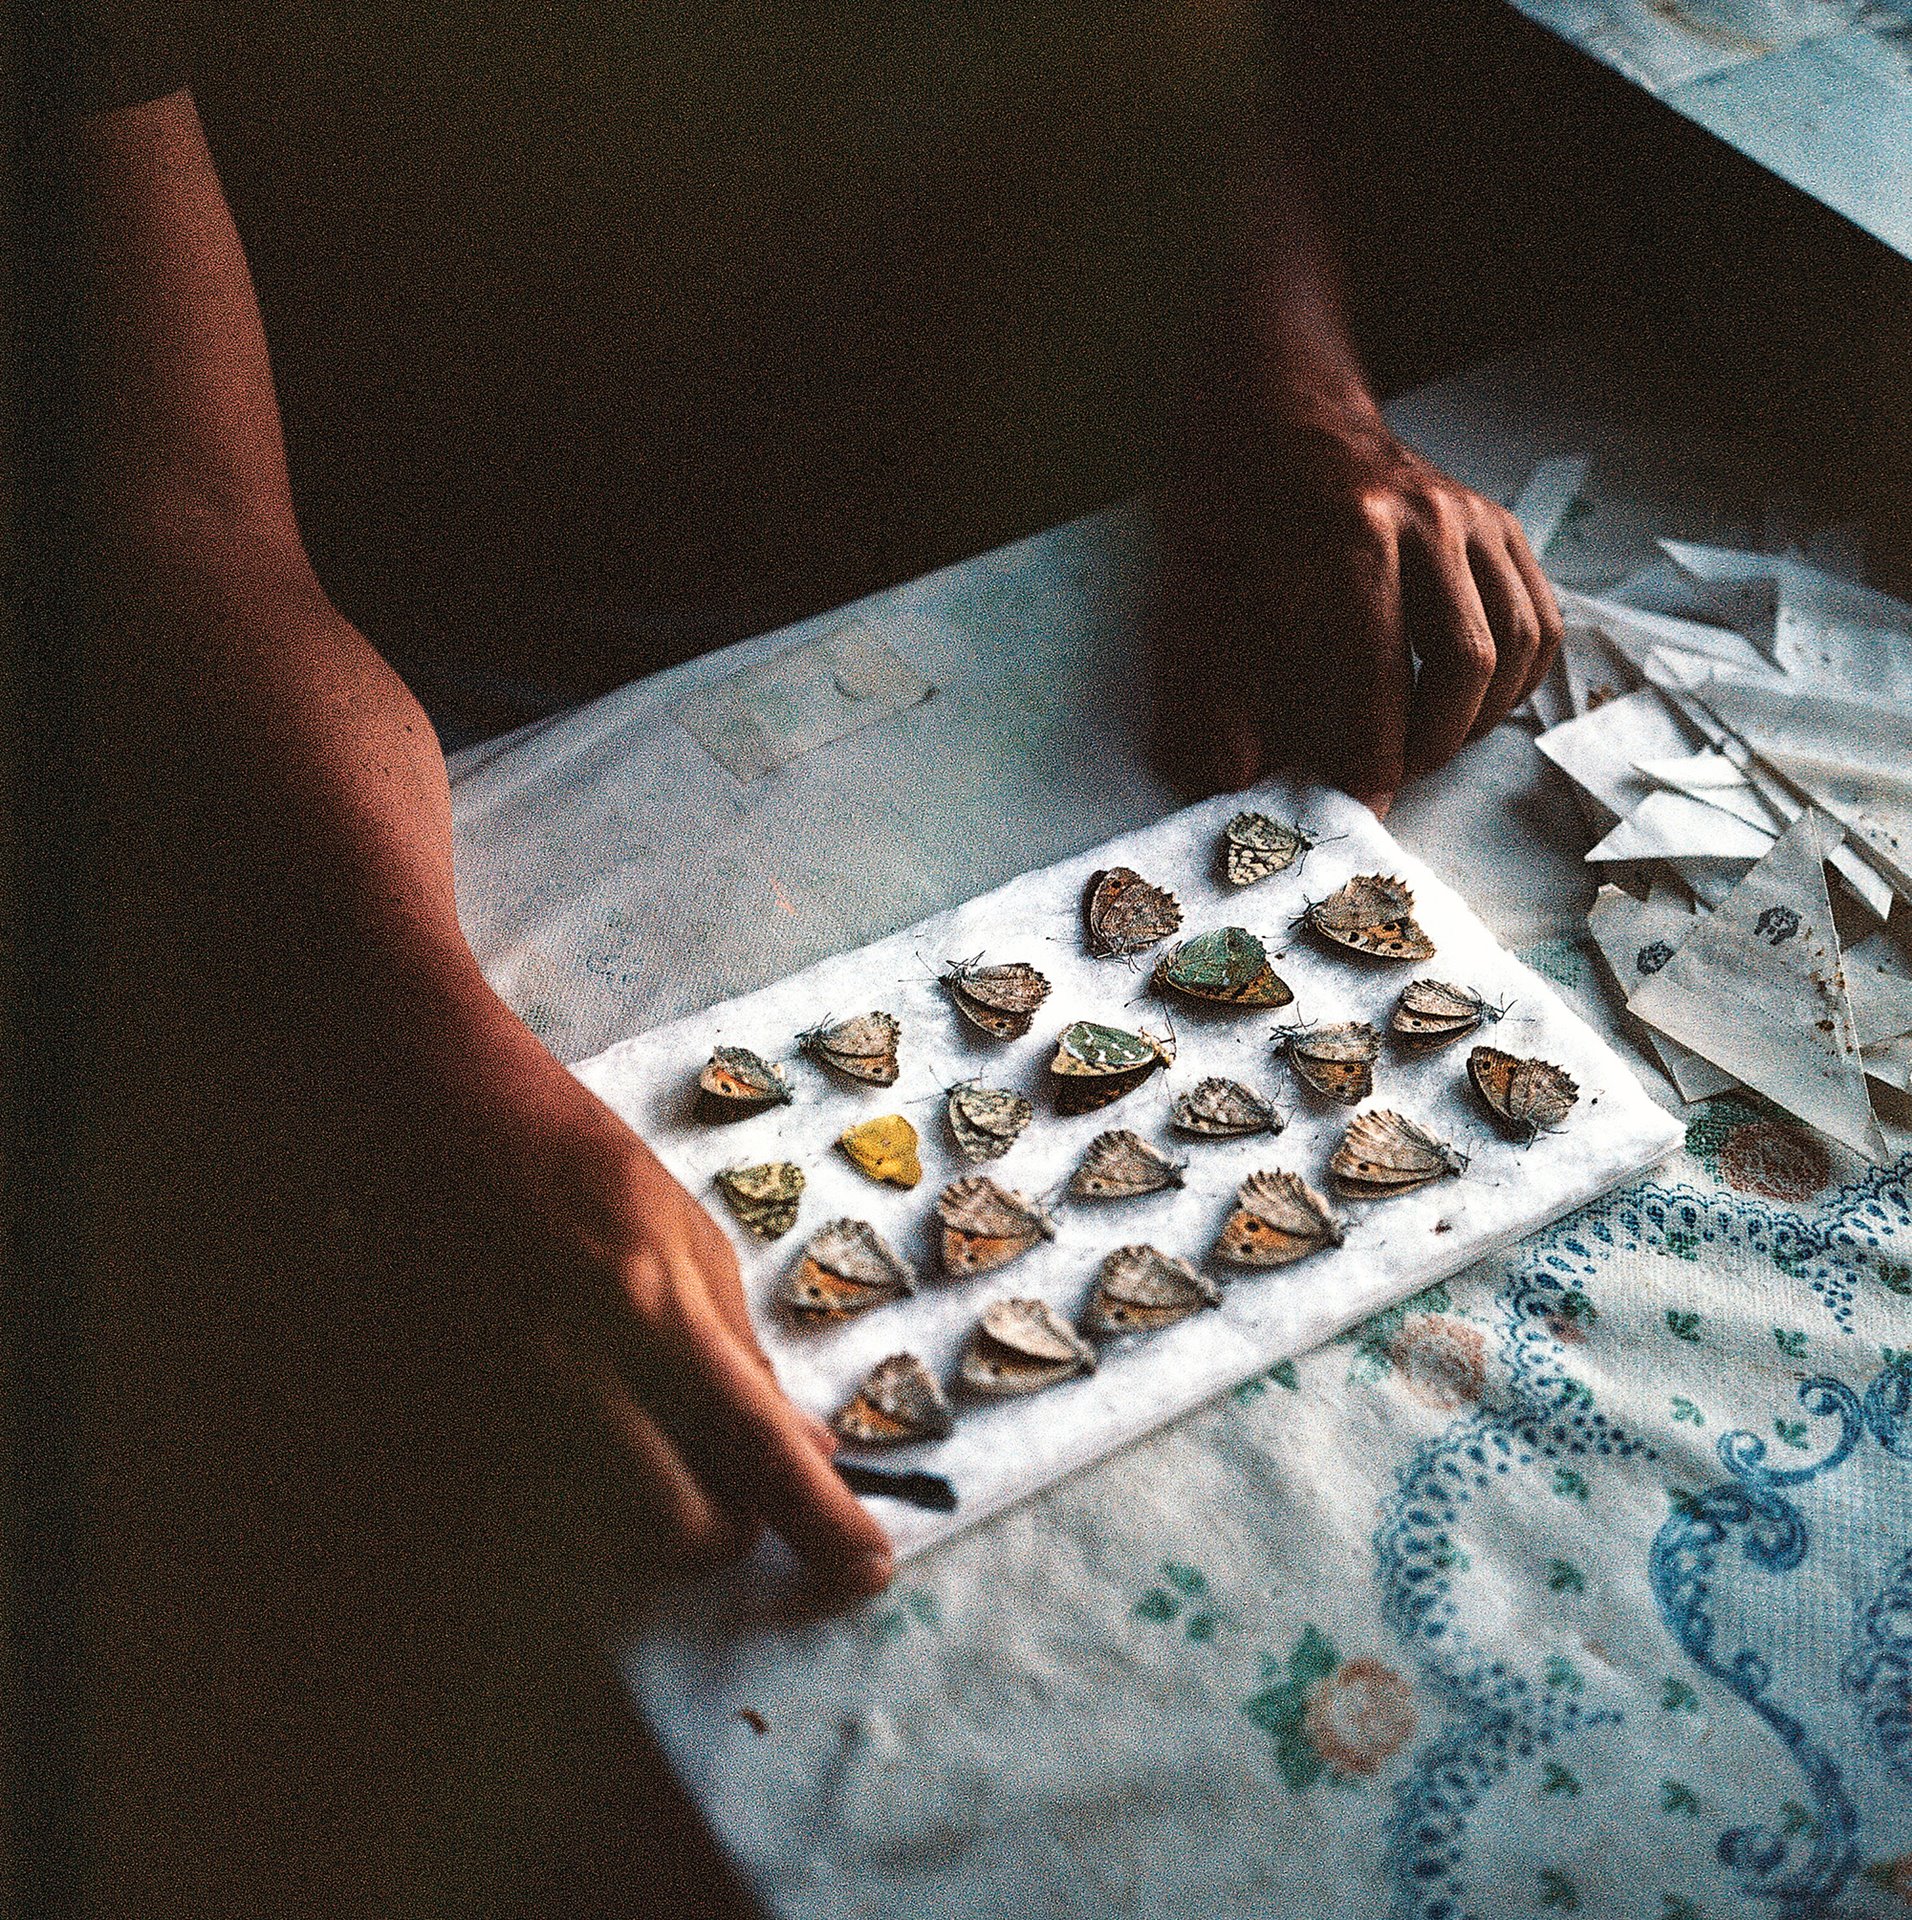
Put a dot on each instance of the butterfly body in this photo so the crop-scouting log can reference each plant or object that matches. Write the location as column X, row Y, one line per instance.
column 1372, row 915
column 764, row 1198
column 1022, row 1346
column 1336, row 1061
column 1120, row 1165
column 1278, row 1219
column 735, row 1083
column 1525, row 1096
column 1227, row 967
column 1127, row 914
column 985, row 1226
column 999, row 1000
column 1095, row 1064
column 845, row 1268
column 1255, row 846
column 883, row 1149
column 1139, row 1290
column 986, row 1121
column 898, row 1403
column 1431, row 1014
column 860, row 1049
column 1384, row 1154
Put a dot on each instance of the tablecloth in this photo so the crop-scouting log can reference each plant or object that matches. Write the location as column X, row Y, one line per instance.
column 1579, row 1584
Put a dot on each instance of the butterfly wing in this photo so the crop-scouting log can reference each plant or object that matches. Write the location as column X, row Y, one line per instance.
column 1385, row 1153
column 884, row 1149
column 1139, row 1290
column 1022, row 1346
column 1278, row 1219
column 1120, row 1165
column 1223, row 1110
column 898, row 1402
column 1127, row 914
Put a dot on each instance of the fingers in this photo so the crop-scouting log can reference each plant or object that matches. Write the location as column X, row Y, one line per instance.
column 1540, row 592
column 1456, row 647
column 1362, row 717
column 755, row 1452
column 1514, row 626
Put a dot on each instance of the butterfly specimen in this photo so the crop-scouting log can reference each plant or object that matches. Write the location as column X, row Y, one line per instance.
column 987, row 1121
column 845, row 1268
column 1121, row 1164
column 1254, row 846
column 1096, row 1064
column 1278, row 1218
column 736, row 1083
column 1223, row 1110
column 1337, row 1061
column 1525, row 1096
column 863, row 1049
column 1374, row 915
column 1127, row 915
column 1022, row 1346
column 1138, row 1290
column 1227, row 967
column 1384, row 1153
column 883, row 1148
column 987, row 1226
column 1430, row 1013
column 900, row 1401
column 764, row 1198
column 1001, row 1000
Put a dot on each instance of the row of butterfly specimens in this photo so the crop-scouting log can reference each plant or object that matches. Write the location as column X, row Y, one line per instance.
column 1018, row 1346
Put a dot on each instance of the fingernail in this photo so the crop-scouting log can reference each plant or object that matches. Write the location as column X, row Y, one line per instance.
column 821, row 1434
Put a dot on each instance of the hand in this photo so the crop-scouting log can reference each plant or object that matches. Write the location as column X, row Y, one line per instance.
column 632, row 1292
column 1331, row 605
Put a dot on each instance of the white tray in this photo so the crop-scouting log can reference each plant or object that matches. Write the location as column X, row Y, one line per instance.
column 1002, row 1453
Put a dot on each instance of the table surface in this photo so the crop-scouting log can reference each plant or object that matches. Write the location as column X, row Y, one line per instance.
column 1817, row 91
column 1580, row 1583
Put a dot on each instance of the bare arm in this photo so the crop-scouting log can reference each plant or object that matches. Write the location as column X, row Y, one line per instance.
column 250, row 725
column 1310, row 559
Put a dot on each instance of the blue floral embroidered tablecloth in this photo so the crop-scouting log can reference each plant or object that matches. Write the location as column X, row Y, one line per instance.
column 1581, row 1584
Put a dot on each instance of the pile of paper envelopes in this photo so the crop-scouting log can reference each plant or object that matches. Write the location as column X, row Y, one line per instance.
column 1740, row 728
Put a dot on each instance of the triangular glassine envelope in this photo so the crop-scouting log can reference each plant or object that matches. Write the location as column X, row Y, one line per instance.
column 1635, row 633
column 1880, row 992
column 1739, row 589
column 1869, row 886
column 1713, row 779
column 1544, row 497
column 1890, row 1062
column 1839, row 633
column 1597, row 752
column 1755, row 987
column 1632, row 935
column 1848, row 756
column 1674, row 826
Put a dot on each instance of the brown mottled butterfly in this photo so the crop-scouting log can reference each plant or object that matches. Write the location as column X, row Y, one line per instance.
column 1223, row 1110
column 1278, row 1219
column 736, row 1083
column 1022, row 1346
column 1138, row 1290
column 1126, row 914
column 763, row 1198
column 1383, row 1154
column 987, row 1121
column 1001, row 1000
column 899, row 1402
column 1430, row 1014
column 1337, row 1061
column 1120, row 1165
column 986, row 1226
column 1372, row 915
column 860, row 1049
column 845, row 1268
column 1525, row 1096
